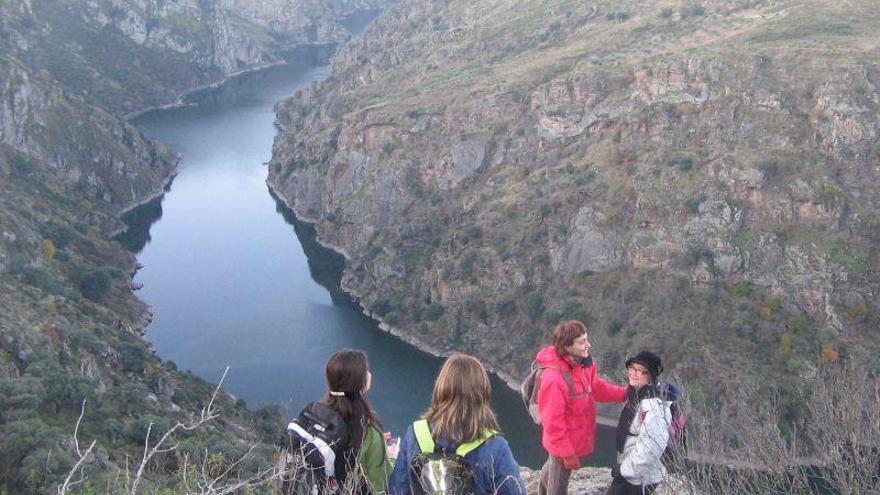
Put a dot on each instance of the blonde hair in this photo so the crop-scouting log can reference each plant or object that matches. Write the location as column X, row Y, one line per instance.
column 460, row 405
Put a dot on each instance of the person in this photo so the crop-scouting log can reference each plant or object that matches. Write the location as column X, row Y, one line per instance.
column 643, row 429
column 570, row 387
column 348, row 380
column 460, row 413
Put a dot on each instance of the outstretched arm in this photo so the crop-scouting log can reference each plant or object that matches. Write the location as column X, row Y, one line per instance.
column 604, row 391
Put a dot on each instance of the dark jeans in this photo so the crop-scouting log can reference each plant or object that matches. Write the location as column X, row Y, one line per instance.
column 619, row 486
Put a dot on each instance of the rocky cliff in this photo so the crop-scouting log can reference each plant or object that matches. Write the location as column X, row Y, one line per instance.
column 696, row 178
column 127, row 55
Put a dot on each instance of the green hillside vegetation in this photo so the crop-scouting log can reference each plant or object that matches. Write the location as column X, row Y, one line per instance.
column 71, row 328
column 65, row 305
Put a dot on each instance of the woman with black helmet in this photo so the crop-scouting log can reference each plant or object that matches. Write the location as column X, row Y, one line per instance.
column 643, row 429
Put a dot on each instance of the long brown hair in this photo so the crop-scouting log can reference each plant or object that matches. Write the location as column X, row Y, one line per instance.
column 460, row 408
column 346, row 372
column 565, row 333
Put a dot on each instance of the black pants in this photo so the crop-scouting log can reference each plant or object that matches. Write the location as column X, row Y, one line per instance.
column 619, row 486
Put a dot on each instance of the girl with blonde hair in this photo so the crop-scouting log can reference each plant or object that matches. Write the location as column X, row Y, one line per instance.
column 459, row 424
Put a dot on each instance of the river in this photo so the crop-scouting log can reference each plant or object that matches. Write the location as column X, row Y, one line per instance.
column 234, row 279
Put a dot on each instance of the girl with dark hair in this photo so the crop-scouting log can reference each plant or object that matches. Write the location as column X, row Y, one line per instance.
column 349, row 379
column 460, row 420
column 570, row 387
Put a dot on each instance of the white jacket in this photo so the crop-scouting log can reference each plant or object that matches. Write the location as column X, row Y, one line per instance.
column 649, row 433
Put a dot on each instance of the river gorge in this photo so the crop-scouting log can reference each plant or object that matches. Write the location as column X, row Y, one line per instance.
column 234, row 279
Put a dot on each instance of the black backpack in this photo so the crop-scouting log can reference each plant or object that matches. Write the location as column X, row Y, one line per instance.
column 316, row 452
column 441, row 472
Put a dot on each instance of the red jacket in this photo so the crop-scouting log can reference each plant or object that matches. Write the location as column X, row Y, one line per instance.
column 569, row 424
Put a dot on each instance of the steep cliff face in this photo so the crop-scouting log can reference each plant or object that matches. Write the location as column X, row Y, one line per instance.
column 699, row 179
column 95, row 155
column 125, row 55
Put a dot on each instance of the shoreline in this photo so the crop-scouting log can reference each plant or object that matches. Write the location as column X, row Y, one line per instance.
column 157, row 193
column 180, row 101
column 510, row 381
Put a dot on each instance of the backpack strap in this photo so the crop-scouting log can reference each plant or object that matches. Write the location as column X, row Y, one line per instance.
column 569, row 381
column 422, row 431
column 423, row 436
column 566, row 375
column 468, row 447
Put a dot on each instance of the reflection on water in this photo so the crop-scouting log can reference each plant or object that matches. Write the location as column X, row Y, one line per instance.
column 325, row 265
column 139, row 220
column 234, row 279
column 246, row 89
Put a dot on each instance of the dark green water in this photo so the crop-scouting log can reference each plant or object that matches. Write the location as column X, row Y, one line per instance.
column 234, row 279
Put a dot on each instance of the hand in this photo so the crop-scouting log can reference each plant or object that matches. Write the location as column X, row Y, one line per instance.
column 615, row 471
column 392, row 445
column 571, row 462
column 393, row 450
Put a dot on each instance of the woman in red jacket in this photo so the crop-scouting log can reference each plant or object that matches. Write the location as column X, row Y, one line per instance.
column 570, row 386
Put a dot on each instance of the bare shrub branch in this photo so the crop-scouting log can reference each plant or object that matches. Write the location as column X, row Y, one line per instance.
column 82, row 456
column 750, row 439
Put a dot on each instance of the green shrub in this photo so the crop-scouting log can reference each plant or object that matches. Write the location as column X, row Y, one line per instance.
column 19, row 394
column 693, row 205
column 875, row 149
column 382, row 307
column 94, row 283
column 136, row 430
column 134, row 356
column 538, row 235
column 693, row 9
column 20, row 164
column 433, row 312
column 574, row 310
column 22, row 439
column 61, row 390
column 696, row 254
column 534, row 306
column 478, row 308
column 798, row 324
column 614, row 327
column 742, row 289
column 467, row 263
column 685, row 163
column 505, row 306
column 586, row 177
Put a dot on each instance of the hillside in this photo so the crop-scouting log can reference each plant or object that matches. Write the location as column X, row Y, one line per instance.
column 695, row 178
column 128, row 55
column 70, row 165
